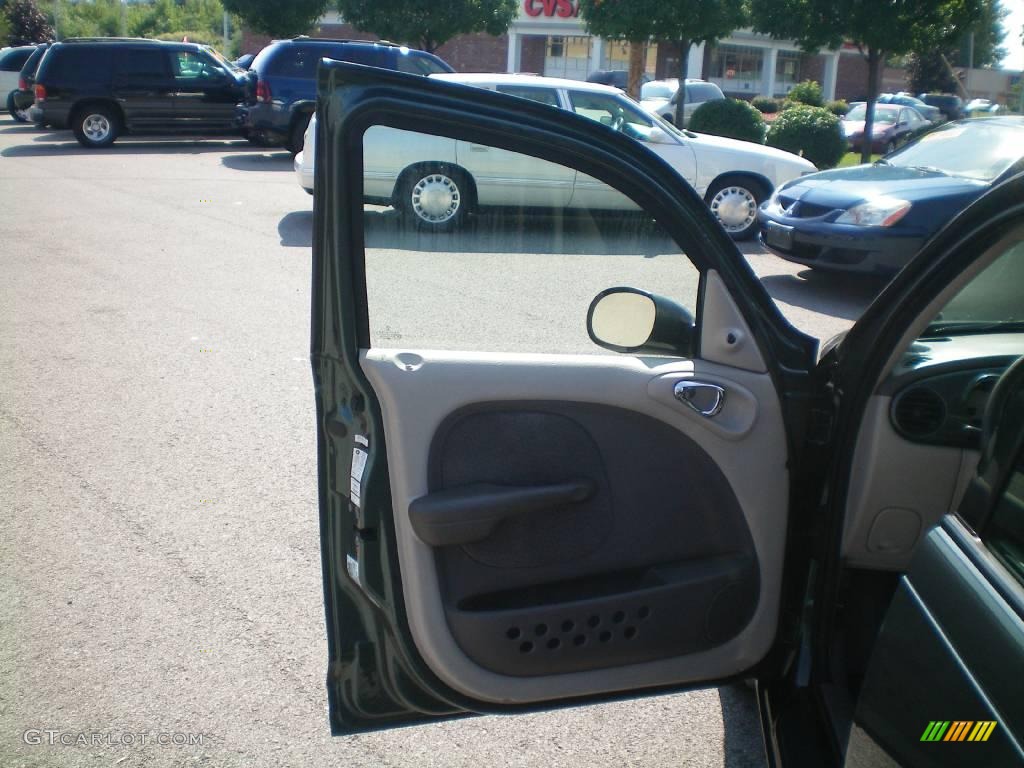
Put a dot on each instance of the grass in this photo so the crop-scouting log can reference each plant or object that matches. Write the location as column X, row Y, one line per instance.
column 853, row 158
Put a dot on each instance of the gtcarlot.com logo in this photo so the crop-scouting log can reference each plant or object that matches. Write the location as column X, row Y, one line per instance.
column 958, row 730
column 56, row 737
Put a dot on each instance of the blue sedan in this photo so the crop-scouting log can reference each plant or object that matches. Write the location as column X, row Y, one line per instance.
column 874, row 218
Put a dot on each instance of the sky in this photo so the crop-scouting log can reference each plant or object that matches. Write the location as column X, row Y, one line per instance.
column 1012, row 42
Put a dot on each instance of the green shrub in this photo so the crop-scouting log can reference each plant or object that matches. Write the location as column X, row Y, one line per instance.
column 839, row 107
column 808, row 92
column 788, row 104
column 813, row 132
column 765, row 105
column 733, row 118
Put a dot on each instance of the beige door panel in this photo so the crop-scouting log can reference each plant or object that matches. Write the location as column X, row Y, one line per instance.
column 418, row 390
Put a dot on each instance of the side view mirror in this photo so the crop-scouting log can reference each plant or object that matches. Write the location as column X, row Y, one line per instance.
column 633, row 321
column 659, row 136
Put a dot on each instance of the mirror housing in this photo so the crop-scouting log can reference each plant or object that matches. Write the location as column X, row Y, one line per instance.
column 637, row 322
column 659, row 136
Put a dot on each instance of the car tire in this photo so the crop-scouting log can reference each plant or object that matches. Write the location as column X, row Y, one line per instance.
column 734, row 202
column 297, row 135
column 96, row 126
column 890, row 146
column 436, row 198
column 21, row 115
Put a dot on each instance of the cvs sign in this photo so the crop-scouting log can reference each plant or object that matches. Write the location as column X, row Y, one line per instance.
column 562, row 9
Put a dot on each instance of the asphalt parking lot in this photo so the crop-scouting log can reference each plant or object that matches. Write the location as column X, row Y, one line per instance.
column 160, row 566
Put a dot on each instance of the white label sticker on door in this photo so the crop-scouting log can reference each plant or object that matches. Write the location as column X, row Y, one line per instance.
column 353, row 568
column 356, row 484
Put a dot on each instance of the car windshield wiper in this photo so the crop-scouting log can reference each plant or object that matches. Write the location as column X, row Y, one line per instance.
column 928, row 169
column 966, row 327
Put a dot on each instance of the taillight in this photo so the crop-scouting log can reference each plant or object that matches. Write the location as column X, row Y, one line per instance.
column 22, row 84
column 262, row 92
column 40, row 92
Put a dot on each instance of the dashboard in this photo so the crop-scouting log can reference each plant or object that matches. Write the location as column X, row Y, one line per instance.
column 941, row 386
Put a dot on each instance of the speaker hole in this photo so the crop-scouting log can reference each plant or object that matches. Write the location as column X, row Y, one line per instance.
column 554, row 643
column 541, row 630
column 568, row 626
column 630, row 633
column 593, row 621
column 512, row 633
column 579, row 641
column 618, row 617
column 644, row 612
column 605, row 636
column 526, row 647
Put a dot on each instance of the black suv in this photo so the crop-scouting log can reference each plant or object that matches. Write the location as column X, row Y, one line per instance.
column 101, row 88
column 949, row 104
column 285, row 96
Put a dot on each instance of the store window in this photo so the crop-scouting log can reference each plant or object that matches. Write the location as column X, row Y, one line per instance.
column 616, row 56
column 567, row 57
column 787, row 71
column 737, row 68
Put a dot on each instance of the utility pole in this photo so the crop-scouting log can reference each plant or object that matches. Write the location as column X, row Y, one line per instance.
column 227, row 35
column 124, row 19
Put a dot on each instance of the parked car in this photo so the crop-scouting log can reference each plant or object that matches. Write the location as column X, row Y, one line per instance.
column 285, row 95
column 11, row 62
column 874, row 218
column 981, row 106
column 893, row 126
column 927, row 111
column 23, row 97
column 705, row 500
column 948, row 103
column 661, row 97
column 245, row 60
column 617, row 78
column 101, row 89
column 733, row 176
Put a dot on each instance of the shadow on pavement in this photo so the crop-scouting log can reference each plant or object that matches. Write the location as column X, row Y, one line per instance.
column 743, row 745
column 54, row 147
column 839, row 295
column 296, row 229
column 21, row 128
column 524, row 231
column 259, row 161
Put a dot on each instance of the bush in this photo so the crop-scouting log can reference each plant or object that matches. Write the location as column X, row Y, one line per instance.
column 765, row 105
column 808, row 92
column 788, row 104
column 813, row 132
column 839, row 107
column 733, row 118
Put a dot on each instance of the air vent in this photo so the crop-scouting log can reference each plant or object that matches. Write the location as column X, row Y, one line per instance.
column 918, row 412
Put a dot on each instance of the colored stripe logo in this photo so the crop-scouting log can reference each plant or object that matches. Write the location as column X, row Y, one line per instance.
column 958, row 730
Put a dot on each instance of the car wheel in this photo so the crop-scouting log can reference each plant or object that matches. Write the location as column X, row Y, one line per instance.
column 96, row 126
column 734, row 203
column 297, row 136
column 890, row 146
column 436, row 198
column 21, row 115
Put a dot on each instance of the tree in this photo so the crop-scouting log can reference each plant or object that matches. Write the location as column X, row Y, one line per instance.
column 278, row 18
column 26, row 23
column 929, row 73
column 879, row 30
column 428, row 24
column 684, row 21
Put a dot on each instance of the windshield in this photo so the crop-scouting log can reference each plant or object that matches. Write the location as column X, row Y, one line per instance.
column 657, row 91
column 885, row 115
column 991, row 302
column 981, row 149
column 230, row 66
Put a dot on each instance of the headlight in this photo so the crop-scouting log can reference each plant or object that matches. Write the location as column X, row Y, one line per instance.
column 880, row 212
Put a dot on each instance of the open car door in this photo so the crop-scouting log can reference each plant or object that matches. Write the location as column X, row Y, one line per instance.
column 529, row 496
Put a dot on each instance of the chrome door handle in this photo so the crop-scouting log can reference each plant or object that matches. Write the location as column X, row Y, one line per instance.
column 705, row 399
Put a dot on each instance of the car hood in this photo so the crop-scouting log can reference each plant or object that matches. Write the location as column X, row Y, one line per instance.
column 846, row 186
column 708, row 145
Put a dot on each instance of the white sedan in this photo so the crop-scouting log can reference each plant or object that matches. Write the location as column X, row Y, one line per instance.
column 438, row 181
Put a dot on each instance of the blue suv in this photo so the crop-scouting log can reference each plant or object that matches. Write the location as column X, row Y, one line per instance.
column 285, row 95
